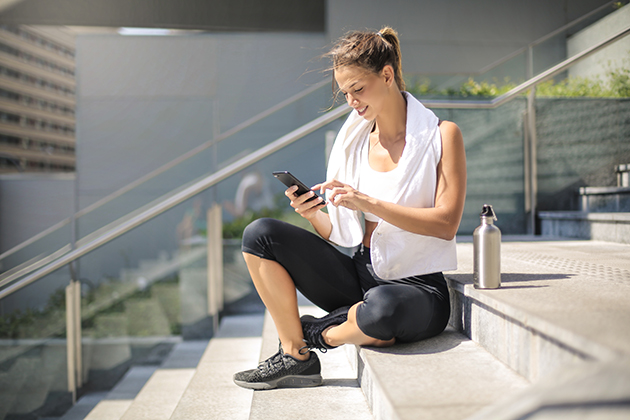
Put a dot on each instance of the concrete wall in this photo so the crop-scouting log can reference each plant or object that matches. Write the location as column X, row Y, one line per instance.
column 580, row 140
column 31, row 203
column 144, row 100
column 614, row 56
column 458, row 36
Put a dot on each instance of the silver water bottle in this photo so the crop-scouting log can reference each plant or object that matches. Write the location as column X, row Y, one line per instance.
column 487, row 251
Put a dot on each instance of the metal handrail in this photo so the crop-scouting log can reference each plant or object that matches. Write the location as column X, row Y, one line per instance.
column 257, row 118
column 167, row 166
column 276, row 145
column 180, row 197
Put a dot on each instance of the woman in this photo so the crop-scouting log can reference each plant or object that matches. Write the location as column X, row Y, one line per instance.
column 402, row 171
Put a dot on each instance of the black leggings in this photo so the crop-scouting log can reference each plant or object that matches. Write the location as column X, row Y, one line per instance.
column 409, row 309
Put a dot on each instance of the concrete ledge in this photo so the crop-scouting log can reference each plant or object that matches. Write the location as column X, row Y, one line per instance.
column 604, row 190
column 211, row 393
column 159, row 397
column 611, row 227
column 584, row 391
column 579, row 215
column 445, row 377
column 555, row 299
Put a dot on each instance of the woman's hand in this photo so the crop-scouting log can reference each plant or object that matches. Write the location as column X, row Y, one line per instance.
column 344, row 195
column 309, row 209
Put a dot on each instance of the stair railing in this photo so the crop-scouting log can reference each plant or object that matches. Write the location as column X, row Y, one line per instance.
column 35, row 263
column 73, row 301
column 529, row 48
column 180, row 196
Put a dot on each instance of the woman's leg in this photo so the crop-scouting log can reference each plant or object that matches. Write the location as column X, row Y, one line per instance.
column 350, row 333
column 393, row 312
column 282, row 257
column 277, row 291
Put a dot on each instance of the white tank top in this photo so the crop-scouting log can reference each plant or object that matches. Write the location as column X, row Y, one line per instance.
column 374, row 183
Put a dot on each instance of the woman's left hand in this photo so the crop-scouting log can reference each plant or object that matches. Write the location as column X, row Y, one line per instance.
column 344, row 195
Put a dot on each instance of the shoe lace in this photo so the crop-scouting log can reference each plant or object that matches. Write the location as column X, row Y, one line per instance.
column 312, row 331
column 272, row 364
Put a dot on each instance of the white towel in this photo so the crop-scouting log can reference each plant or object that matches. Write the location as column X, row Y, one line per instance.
column 414, row 186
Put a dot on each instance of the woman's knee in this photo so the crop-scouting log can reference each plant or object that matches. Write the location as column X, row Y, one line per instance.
column 257, row 235
column 257, row 228
column 379, row 314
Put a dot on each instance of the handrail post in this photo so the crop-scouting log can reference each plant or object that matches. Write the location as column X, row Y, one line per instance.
column 215, row 264
column 530, row 167
column 73, row 338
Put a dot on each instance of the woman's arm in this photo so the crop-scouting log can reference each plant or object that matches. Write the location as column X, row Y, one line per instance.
column 441, row 221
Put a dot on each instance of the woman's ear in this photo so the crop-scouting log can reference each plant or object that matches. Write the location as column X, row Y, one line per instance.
column 388, row 75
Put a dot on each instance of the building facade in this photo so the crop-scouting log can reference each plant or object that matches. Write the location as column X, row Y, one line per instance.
column 37, row 99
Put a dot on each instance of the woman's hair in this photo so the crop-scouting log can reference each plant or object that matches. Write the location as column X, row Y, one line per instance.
column 370, row 51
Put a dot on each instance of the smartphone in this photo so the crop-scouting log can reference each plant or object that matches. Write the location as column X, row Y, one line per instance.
column 289, row 180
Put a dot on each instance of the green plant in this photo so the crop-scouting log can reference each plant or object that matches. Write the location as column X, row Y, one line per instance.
column 616, row 84
column 572, row 87
column 234, row 229
column 36, row 323
column 484, row 89
column 470, row 88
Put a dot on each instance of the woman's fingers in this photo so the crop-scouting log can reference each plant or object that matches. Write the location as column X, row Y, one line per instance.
column 301, row 203
column 329, row 185
column 290, row 192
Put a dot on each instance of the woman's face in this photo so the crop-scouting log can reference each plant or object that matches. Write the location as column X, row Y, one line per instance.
column 364, row 90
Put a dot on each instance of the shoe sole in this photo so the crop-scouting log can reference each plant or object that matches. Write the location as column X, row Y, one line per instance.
column 292, row 381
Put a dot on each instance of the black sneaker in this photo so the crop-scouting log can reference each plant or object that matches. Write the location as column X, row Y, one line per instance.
column 282, row 370
column 313, row 327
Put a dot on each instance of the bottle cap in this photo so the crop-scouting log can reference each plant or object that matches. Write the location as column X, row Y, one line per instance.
column 488, row 211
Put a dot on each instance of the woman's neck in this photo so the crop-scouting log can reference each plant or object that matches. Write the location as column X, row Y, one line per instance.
column 391, row 123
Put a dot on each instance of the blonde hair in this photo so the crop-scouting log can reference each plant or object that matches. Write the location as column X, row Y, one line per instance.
column 370, row 51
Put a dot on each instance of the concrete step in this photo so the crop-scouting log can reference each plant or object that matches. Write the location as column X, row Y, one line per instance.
column 555, row 297
column 159, row 397
column 211, row 393
column 445, row 377
column 12, row 381
column 34, row 391
column 605, row 199
column 138, row 386
column 561, row 319
column 116, row 402
column 339, row 397
column 610, row 227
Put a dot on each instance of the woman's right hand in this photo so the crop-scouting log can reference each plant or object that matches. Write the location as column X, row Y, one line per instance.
column 309, row 209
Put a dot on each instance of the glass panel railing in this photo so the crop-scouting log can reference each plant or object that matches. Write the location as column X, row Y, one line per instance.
column 209, row 160
column 35, row 255
column 149, row 288
column 33, row 356
column 278, row 121
column 494, row 159
column 509, row 71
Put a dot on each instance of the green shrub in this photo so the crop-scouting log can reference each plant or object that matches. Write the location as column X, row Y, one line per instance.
column 615, row 85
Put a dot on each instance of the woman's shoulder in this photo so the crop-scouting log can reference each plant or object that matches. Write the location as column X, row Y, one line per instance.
column 450, row 132
column 448, row 127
